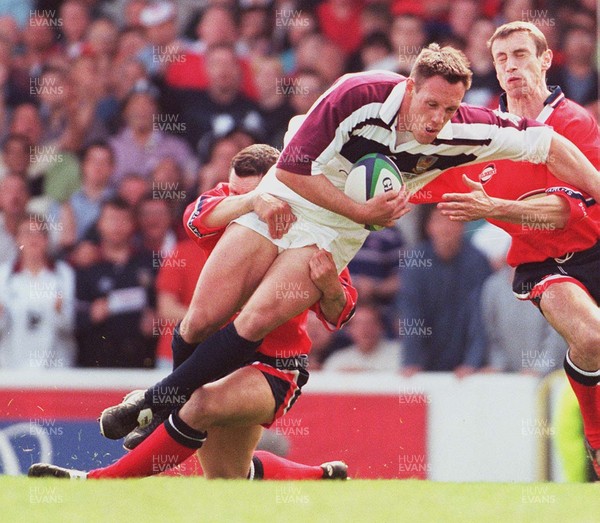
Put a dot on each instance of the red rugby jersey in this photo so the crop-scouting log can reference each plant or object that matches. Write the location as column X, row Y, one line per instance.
column 532, row 239
column 291, row 338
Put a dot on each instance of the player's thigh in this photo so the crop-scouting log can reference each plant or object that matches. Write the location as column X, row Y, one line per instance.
column 227, row 452
column 285, row 291
column 572, row 312
column 230, row 275
column 243, row 397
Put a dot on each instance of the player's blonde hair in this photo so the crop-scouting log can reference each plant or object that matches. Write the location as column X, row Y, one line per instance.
column 449, row 63
column 541, row 44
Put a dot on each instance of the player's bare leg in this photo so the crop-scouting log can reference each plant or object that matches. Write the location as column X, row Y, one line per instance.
column 576, row 316
column 285, row 291
column 227, row 453
column 241, row 398
column 232, row 409
column 232, row 272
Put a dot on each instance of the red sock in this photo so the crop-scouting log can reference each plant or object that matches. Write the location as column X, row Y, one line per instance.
column 274, row 467
column 157, row 453
column 588, row 395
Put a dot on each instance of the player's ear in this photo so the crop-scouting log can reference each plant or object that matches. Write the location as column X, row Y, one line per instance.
column 547, row 59
column 410, row 84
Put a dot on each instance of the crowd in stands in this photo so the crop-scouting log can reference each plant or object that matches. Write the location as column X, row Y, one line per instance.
column 116, row 114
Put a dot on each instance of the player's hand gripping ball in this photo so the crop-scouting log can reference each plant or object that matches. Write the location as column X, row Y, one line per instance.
column 371, row 175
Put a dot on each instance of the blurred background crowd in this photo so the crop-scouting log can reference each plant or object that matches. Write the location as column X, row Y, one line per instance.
column 115, row 114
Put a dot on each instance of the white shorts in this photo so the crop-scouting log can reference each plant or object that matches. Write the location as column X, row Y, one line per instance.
column 314, row 225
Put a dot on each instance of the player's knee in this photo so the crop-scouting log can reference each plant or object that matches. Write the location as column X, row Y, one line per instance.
column 201, row 410
column 255, row 325
column 198, row 325
column 588, row 346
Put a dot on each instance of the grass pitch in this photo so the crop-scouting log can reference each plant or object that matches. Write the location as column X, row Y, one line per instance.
column 197, row 500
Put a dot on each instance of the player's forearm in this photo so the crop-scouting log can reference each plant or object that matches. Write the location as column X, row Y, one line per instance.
column 320, row 191
column 550, row 210
column 568, row 163
column 229, row 209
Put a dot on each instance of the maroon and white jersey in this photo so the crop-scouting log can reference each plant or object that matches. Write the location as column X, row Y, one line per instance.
column 358, row 115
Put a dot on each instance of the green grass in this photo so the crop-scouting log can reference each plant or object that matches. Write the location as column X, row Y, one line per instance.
column 197, row 500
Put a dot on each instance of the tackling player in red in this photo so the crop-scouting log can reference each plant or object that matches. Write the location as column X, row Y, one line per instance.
column 556, row 252
column 233, row 409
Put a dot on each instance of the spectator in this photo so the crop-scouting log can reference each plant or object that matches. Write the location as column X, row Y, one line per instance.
column 332, row 62
column 462, row 16
column 222, row 106
column 14, row 84
column 577, row 76
column 39, row 47
column 75, row 18
column 216, row 169
column 408, row 36
column 115, row 297
column 15, row 157
column 217, row 27
column 68, row 117
column 439, row 300
column 375, row 273
column 168, row 184
column 255, row 31
column 319, row 54
column 159, row 20
column 274, row 93
column 130, row 44
column 340, row 22
column 133, row 189
column 37, row 298
column 132, row 13
column 322, row 341
column 155, row 227
column 370, row 351
column 90, row 86
column 376, row 52
column 102, row 39
column 309, row 85
column 13, row 202
column 142, row 144
column 484, row 89
column 82, row 209
column 128, row 76
column 375, row 18
column 306, row 23
column 52, row 174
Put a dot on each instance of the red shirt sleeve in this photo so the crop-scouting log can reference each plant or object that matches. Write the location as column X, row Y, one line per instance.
column 195, row 214
column 347, row 311
column 578, row 204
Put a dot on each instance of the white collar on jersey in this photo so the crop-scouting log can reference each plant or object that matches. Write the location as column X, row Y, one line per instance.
column 389, row 109
column 446, row 132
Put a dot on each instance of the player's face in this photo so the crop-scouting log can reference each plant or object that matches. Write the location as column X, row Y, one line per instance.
column 242, row 185
column 518, row 68
column 431, row 106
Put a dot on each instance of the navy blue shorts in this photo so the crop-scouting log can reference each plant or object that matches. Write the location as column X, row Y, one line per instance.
column 581, row 268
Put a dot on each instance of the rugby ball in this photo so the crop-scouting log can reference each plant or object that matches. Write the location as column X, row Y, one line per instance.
column 373, row 174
